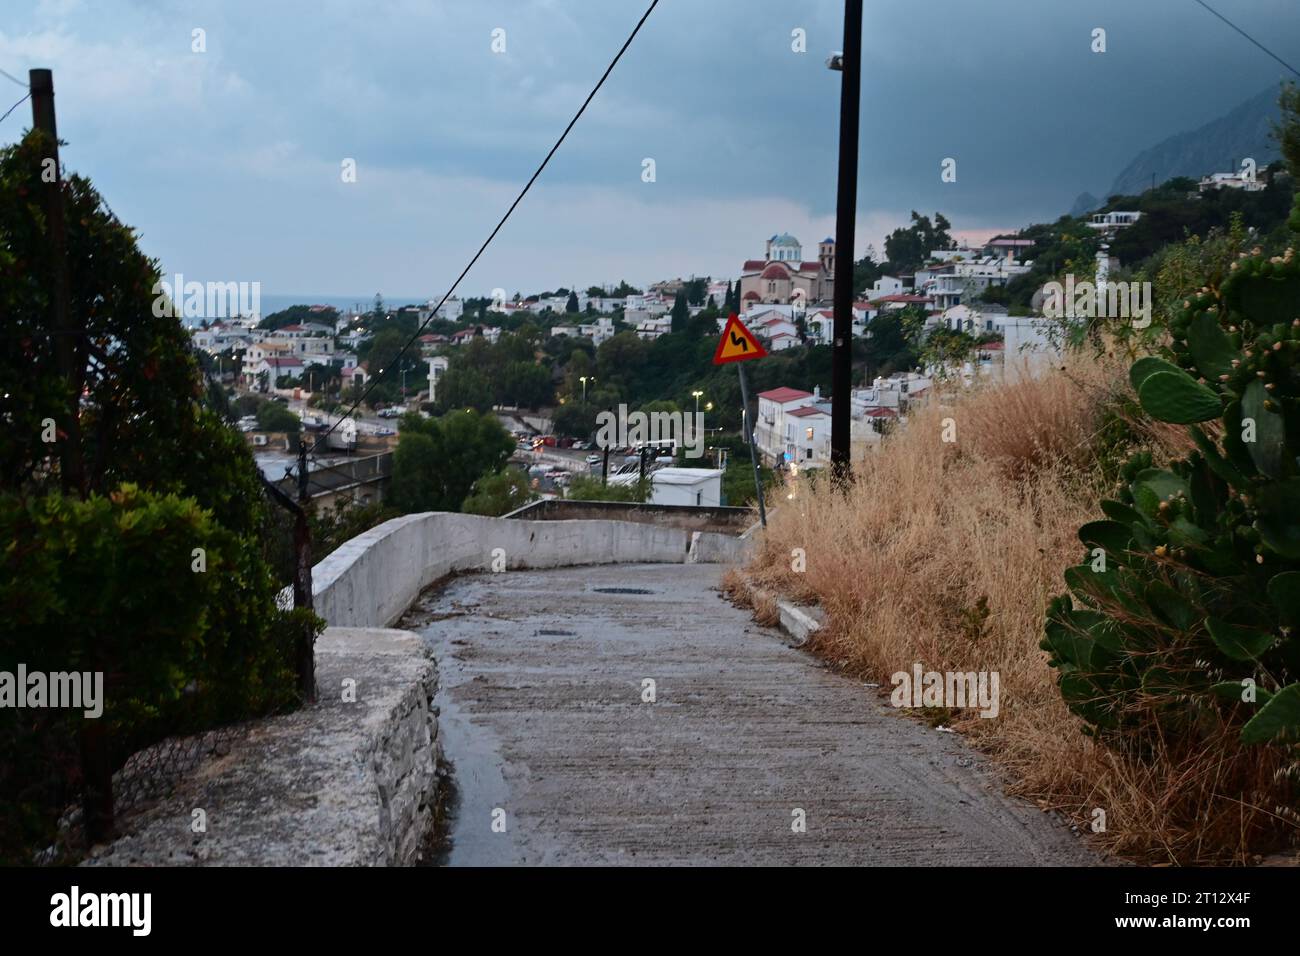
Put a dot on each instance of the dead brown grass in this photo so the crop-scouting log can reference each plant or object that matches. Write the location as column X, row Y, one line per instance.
column 946, row 554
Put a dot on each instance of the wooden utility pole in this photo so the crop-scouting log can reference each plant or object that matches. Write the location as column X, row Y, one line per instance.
column 849, row 63
column 96, row 754
column 71, row 471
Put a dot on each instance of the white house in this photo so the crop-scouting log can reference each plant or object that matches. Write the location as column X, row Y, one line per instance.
column 652, row 328
column 1110, row 222
column 773, row 433
column 437, row 367
column 697, row 487
column 452, row 310
column 599, row 331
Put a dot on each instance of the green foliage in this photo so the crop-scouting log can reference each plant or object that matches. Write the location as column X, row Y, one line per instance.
column 276, row 417
column 438, row 460
column 481, row 374
column 1192, row 584
column 299, row 315
column 498, row 494
column 109, row 584
column 909, row 248
column 331, row 527
column 681, row 312
column 585, row 488
column 144, row 423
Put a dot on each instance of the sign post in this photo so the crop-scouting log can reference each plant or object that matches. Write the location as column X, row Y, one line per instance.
column 738, row 345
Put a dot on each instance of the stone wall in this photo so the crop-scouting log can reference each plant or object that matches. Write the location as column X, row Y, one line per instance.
column 349, row 781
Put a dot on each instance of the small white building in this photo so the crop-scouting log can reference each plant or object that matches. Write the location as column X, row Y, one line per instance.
column 451, row 310
column 437, row 368
column 1110, row 222
column 696, row 487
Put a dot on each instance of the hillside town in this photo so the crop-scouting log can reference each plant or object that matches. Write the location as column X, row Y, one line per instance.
column 784, row 298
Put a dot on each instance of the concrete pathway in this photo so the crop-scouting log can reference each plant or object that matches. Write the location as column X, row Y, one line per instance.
column 543, row 720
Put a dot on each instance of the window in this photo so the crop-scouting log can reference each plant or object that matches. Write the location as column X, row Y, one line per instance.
column 808, row 453
column 809, row 433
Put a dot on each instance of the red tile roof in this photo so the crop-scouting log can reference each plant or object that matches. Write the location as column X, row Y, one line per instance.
column 753, row 265
column 806, row 412
column 776, row 270
column 783, row 395
column 881, row 413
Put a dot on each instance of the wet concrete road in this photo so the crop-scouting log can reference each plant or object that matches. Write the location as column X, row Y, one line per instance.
column 557, row 759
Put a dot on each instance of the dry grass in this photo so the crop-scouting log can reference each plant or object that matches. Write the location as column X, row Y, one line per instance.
column 946, row 554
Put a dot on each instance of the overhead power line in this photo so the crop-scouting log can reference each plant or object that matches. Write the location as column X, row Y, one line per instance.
column 10, row 76
column 14, row 107
column 1249, row 37
column 374, row 379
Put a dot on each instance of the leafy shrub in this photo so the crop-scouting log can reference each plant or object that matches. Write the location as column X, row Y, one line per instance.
column 499, row 494
column 1186, row 613
column 274, row 417
column 106, row 584
column 589, row 488
column 438, row 460
column 152, row 451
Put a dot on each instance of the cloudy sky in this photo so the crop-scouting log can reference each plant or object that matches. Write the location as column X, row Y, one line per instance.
column 229, row 161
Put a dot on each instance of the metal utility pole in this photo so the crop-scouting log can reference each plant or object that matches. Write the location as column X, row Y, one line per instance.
column 604, row 468
column 65, row 346
column 849, row 63
column 749, row 437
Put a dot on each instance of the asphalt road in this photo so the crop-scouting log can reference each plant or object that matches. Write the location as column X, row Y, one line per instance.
column 558, row 758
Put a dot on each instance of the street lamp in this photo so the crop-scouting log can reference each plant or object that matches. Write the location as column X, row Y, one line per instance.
column 583, row 380
column 697, row 401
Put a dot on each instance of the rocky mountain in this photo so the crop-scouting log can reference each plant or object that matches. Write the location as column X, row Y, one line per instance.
column 1218, row 146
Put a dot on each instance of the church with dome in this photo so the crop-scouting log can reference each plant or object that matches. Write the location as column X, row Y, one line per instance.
column 784, row 276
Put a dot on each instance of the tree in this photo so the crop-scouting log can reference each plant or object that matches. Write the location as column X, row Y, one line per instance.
column 275, row 417
column 696, row 289
column 681, row 311
column 135, row 437
column 297, row 315
column 499, row 494
column 571, row 306
column 907, row 249
column 464, row 388
column 438, row 460
column 526, row 385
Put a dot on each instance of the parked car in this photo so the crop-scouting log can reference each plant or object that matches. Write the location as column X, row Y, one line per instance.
column 390, row 412
column 594, row 459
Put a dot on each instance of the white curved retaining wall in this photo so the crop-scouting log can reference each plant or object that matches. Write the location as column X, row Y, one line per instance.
column 371, row 580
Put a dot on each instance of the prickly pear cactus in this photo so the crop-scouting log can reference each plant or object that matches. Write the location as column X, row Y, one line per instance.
column 1187, row 604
